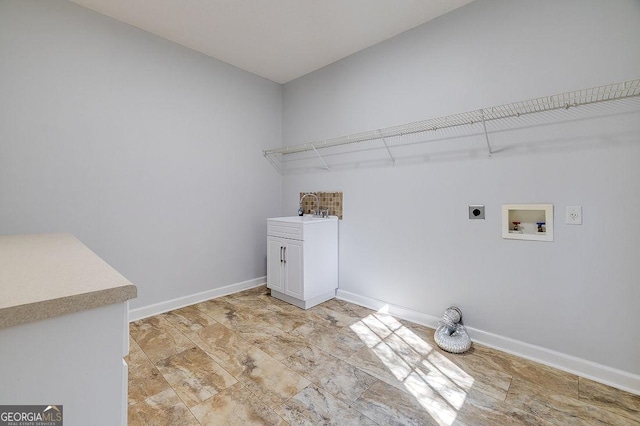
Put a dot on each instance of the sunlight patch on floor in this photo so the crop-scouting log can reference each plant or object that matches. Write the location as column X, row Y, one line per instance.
column 436, row 383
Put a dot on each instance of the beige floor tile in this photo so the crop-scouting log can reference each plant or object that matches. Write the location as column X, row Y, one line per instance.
column 494, row 384
column 293, row 416
column 423, row 332
column 287, row 318
column 338, row 344
column 224, row 346
column 133, row 346
column 339, row 363
column 559, row 409
column 158, row 338
column 331, row 318
column 424, row 345
column 550, row 378
column 268, row 378
column 484, row 359
column 272, row 340
column 144, row 378
column 538, row 401
column 387, row 405
column 259, row 303
column 236, row 406
column 227, row 313
column 383, row 363
column 448, row 385
column 479, row 409
column 314, row 405
column 194, row 375
column 425, row 405
column 260, row 290
column 347, row 308
column 277, row 302
column 389, row 321
column 410, row 353
column 339, row 378
column 163, row 409
column 189, row 319
column 435, row 384
column 617, row 401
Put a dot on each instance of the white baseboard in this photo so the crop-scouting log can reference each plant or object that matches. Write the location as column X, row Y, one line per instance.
column 181, row 302
column 600, row 373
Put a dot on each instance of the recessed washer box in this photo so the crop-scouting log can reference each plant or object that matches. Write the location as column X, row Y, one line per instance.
column 527, row 222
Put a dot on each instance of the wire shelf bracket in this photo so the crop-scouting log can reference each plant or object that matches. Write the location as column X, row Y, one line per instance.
column 486, row 135
column 562, row 101
column 393, row 160
column 326, row 167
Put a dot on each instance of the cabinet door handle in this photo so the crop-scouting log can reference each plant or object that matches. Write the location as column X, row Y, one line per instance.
column 285, row 254
column 281, row 259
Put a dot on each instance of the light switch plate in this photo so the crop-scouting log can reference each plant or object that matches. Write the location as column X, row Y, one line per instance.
column 574, row 215
column 476, row 212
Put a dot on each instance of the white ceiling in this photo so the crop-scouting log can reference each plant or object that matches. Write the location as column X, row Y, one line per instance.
column 280, row 40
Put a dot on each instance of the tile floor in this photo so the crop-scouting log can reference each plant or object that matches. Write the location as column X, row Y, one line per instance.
column 248, row 358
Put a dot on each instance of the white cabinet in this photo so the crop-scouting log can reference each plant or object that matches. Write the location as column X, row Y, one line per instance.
column 73, row 360
column 284, row 268
column 63, row 329
column 302, row 259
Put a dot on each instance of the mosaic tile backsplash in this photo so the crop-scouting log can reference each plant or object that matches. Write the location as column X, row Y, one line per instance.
column 330, row 200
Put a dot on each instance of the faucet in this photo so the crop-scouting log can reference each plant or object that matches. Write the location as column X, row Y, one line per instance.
column 317, row 212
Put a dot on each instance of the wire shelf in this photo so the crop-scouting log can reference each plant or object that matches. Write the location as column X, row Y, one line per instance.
column 609, row 92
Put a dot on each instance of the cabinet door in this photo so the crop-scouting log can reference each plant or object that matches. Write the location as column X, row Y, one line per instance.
column 275, row 264
column 294, row 282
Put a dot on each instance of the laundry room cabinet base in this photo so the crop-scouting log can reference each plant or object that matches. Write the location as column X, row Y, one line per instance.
column 304, row 304
column 302, row 259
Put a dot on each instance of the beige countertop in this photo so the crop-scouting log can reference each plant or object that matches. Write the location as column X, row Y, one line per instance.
column 49, row 275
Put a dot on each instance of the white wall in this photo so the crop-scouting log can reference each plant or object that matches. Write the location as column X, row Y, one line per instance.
column 151, row 154
column 405, row 238
column 148, row 152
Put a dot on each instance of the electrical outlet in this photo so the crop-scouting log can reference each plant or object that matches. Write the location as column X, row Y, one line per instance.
column 476, row 212
column 574, row 215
